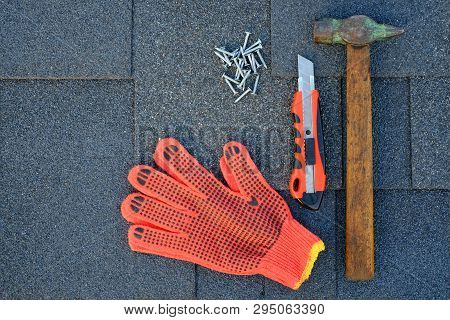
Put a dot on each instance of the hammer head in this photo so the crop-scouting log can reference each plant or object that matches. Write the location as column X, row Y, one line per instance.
column 356, row 30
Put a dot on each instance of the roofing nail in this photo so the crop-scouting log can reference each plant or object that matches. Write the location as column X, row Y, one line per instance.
column 250, row 59
column 247, row 35
column 243, row 56
column 223, row 58
column 242, row 84
column 230, row 79
column 230, row 85
column 224, row 51
column 242, row 95
column 257, row 64
column 261, row 58
column 238, row 66
column 257, row 43
column 237, row 74
column 253, row 62
column 243, row 70
column 220, row 56
column 250, row 50
column 227, row 60
column 255, row 85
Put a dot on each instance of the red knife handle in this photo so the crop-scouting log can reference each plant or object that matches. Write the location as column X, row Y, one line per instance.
column 297, row 183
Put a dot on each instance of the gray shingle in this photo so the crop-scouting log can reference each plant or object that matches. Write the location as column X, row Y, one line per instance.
column 66, row 149
column 420, row 51
column 391, row 134
column 55, row 38
column 411, row 237
column 430, row 100
column 322, row 282
column 216, row 285
column 65, row 119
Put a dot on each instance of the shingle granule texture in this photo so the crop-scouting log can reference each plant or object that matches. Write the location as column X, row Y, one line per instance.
column 430, row 114
column 215, row 285
column 60, row 38
column 391, row 134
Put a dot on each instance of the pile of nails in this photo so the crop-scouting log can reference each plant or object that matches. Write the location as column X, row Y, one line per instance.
column 243, row 64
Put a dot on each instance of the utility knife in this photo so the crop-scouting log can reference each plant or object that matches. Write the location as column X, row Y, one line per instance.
column 307, row 180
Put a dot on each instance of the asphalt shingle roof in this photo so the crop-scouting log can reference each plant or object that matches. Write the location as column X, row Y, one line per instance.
column 86, row 91
column 430, row 110
column 59, row 39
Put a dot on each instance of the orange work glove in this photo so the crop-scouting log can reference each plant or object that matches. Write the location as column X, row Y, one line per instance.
column 246, row 228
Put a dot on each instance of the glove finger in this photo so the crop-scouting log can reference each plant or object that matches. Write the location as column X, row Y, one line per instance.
column 228, row 176
column 146, row 239
column 171, row 156
column 247, row 178
column 141, row 209
column 160, row 186
column 154, row 241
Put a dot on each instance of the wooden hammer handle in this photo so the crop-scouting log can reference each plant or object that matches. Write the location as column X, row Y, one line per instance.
column 359, row 176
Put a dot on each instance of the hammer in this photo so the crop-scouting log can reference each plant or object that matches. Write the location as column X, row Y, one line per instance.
column 356, row 33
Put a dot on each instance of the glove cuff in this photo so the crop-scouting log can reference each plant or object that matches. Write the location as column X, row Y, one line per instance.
column 292, row 257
